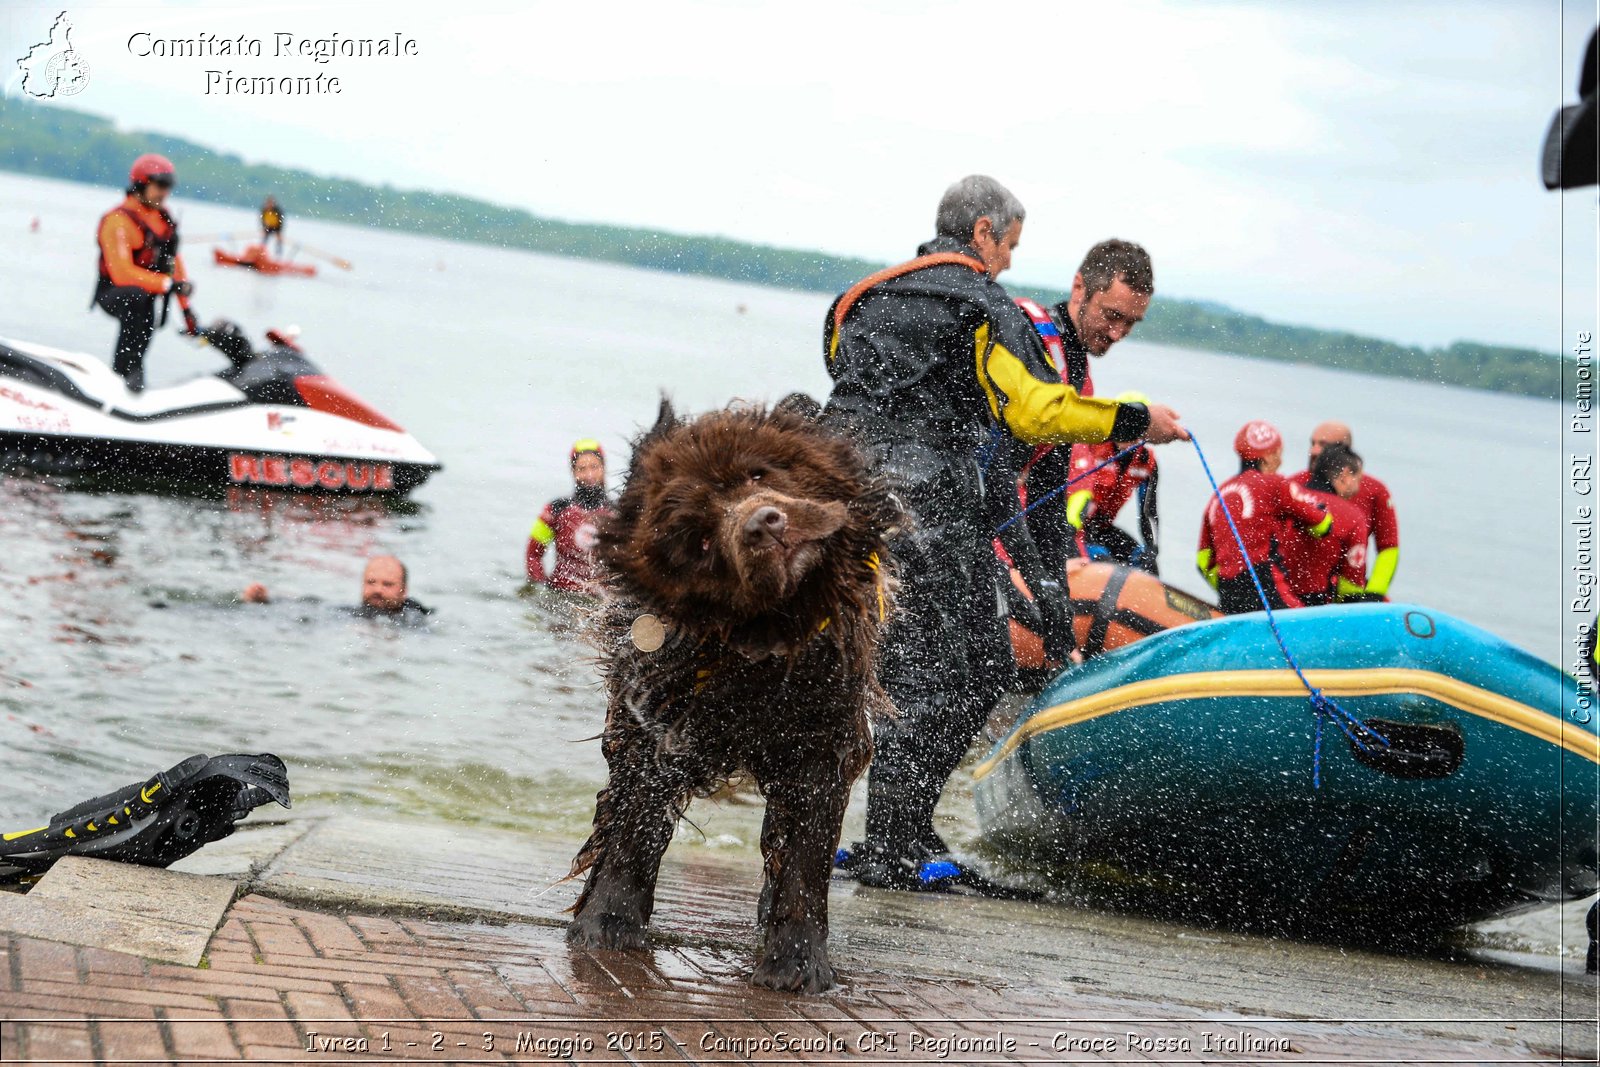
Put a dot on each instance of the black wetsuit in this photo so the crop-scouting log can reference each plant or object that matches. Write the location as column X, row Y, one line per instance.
column 923, row 365
column 410, row 613
column 135, row 308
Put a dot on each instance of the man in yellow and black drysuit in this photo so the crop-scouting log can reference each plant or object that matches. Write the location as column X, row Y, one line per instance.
column 932, row 361
column 272, row 223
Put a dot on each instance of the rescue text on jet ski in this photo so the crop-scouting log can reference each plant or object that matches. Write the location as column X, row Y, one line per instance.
column 271, row 419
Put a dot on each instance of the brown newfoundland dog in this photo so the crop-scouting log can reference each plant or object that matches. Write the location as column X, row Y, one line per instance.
column 747, row 585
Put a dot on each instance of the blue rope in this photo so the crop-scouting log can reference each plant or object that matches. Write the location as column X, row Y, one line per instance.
column 1058, row 490
column 1324, row 706
column 990, row 448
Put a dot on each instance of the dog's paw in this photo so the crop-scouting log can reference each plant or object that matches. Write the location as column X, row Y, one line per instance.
column 800, row 970
column 605, row 932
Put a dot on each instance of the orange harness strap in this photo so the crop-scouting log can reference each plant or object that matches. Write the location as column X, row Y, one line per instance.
column 859, row 289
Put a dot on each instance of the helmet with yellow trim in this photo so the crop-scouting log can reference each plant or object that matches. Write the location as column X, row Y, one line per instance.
column 583, row 446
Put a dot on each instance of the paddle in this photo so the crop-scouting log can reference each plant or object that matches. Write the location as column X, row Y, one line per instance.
column 337, row 261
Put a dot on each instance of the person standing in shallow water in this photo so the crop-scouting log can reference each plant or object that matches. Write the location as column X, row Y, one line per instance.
column 1373, row 500
column 930, row 360
column 1262, row 505
column 571, row 525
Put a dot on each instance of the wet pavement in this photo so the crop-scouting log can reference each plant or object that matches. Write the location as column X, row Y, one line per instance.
column 357, row 941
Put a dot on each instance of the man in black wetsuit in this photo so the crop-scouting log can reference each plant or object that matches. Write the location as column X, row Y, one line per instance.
column 932, row 360
column 383, row 590
column 383, row 593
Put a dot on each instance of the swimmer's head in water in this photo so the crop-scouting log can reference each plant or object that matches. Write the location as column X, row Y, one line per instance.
column 383, row 585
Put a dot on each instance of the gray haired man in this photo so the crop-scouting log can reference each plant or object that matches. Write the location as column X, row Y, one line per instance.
column 931, row 362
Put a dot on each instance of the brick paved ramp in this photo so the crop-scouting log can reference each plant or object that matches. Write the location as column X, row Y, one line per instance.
column 978, row 981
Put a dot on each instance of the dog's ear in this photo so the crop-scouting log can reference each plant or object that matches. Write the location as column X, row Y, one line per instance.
column 666, row 419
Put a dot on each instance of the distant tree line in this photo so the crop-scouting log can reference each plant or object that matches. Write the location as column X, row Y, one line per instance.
column 56, row 142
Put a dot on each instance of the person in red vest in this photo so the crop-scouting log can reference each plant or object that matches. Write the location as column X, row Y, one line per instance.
column 1323, row 570
column 570, row 523
column 140, row 268
column 1260, row 501
column 1373, row 500
column 1094, row 502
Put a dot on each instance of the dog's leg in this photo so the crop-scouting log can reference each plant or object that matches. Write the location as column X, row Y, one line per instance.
column 633, row 821
column 805, row 813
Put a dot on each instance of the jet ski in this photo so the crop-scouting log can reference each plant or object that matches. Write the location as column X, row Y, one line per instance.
column 155, row 822
column 272, row 419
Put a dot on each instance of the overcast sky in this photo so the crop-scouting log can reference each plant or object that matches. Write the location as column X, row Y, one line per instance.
column 1362, row 166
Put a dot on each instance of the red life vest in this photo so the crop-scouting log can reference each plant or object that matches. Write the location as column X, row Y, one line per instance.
column 1044, row 324
column 155, row 253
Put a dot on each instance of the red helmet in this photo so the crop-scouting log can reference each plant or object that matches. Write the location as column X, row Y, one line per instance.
column 152, row 168
column 1257, row 439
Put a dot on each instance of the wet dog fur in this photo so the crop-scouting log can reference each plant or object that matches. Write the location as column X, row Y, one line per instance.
column 757, row 539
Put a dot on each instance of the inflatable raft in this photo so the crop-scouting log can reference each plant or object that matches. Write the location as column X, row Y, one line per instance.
column 1177, row 773
column 255, row 258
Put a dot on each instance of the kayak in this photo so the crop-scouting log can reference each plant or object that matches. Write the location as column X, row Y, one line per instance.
column 254, row 257
column 1178, row 773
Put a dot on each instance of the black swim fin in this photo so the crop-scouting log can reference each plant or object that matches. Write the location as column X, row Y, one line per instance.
column 152, row 823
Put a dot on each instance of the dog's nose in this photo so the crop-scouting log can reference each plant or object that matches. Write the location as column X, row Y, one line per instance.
column 767, row 523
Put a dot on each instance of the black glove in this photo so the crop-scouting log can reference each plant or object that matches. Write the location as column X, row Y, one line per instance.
column 191, row 325
column 1051, row 600
column 182, row 289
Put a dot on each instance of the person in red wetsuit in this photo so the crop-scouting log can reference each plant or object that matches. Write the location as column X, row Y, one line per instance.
column 1383, row 527
column 1259, row 499
column 140, row 269
column 1094, row 503
column 1326, row 569
column 569, row 523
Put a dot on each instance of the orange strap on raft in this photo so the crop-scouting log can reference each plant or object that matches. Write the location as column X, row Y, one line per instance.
column 1128, row 605
column 859, row 289
column 1111, row 606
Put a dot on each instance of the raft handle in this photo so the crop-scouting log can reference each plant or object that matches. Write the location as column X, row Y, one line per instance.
column 1416, row 751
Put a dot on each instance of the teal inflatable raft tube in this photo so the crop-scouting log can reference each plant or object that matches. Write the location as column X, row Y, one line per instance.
column 1178, row 773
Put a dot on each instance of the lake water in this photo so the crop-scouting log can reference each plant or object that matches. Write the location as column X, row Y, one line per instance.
column 122, row 649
